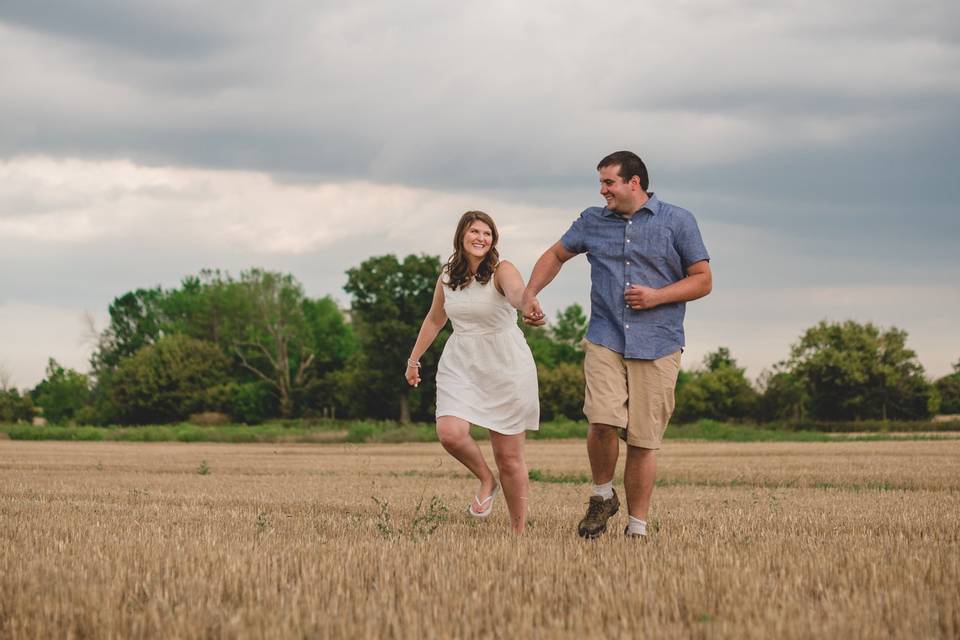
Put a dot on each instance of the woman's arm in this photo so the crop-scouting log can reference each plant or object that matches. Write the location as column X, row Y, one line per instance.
column 432, row 323
column 510, row 283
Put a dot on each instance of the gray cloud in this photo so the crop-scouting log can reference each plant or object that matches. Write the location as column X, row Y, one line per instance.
column 816, row 142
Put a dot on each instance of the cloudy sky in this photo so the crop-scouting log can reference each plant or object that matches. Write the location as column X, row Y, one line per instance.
column 816, row 142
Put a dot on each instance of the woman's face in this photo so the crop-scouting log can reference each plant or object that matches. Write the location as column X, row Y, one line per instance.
column 477, row 239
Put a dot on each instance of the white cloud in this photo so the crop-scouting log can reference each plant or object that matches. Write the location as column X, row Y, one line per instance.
column 74, row 201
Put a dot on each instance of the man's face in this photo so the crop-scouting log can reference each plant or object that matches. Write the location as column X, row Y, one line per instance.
column 622, row 197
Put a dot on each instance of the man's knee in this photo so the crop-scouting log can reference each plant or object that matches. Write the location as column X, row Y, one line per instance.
column 604, row 431
column 640, row 453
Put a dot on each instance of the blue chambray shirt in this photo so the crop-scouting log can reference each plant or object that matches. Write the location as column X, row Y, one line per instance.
column 653, row 249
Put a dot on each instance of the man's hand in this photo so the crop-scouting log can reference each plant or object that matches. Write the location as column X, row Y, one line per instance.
column 638, row 297
column 532, row 313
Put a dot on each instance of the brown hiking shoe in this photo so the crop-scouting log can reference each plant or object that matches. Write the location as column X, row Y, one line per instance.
column 598, row 512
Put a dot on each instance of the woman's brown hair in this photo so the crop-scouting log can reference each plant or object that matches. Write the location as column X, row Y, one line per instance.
column 457, row 268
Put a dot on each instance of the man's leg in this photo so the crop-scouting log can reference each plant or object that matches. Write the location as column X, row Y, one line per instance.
column 652, row 384
column 639, row 477
column 603, row 448
column 605, row 405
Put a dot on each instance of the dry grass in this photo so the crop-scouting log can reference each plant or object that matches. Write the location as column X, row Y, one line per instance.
column 853, row 540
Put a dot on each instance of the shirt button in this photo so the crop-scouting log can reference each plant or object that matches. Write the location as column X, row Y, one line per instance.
column 626, row 326
column 628, row 262
column 630, row 222
column 628, row 239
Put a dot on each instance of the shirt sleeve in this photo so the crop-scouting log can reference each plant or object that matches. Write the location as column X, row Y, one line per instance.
column 688, row 241
column 574, row 240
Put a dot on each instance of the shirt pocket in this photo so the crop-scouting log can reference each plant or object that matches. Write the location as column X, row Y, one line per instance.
column 608, row 249
column 655, row 243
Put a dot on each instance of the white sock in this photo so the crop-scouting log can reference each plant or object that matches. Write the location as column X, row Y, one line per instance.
column 605, row 491
column 636, row 526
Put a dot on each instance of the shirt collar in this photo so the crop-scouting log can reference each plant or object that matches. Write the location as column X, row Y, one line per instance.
column 652, row 205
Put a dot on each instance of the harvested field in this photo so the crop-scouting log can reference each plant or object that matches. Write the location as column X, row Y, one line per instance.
column 786, row 540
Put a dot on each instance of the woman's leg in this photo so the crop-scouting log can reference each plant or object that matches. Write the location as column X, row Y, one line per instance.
column 454, row 434
column 508, row 452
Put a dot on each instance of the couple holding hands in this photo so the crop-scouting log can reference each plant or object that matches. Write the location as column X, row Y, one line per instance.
column 647, row 259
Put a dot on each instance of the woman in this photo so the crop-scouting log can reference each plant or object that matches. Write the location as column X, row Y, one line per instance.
column 486, row 375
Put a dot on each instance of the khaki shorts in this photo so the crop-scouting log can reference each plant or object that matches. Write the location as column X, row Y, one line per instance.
column 636, row 395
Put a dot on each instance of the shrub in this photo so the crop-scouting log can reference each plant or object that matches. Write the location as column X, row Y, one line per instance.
column 561, row 391
column 208, row 418
column 166, row 381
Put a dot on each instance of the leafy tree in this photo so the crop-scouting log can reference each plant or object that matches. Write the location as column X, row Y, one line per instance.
column 14, row 407
column 333, row 338
column 783, row 397
column 570, row 326
column 855, row 371
column 720, row 392
column 561, row 391
column 62, row 394
column 949, row 388
column 166, row 381
column 389, row 301
column 719, row 359
column 336, row 344
column 277, row 345
column 210, row 306
column 136, row 320
column 560, row 341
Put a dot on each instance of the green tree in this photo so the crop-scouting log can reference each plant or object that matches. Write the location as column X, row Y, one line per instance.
column 949, row 388
column 336, row 343
column 720, row 391
column 560, row 341
column 136, row 320
column 210, row 306
column 166, row 381
column 561, row 391
column 277, row 344
column 855, row 371
column 783, row 397
column 62, row 394
column 389, row 301
column 14, row 407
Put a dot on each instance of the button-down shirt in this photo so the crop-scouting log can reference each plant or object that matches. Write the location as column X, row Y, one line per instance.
column 652, row 248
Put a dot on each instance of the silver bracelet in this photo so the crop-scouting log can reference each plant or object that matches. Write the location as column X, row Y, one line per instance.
column 413, row 363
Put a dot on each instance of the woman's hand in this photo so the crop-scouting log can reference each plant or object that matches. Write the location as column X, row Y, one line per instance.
column 413, row 374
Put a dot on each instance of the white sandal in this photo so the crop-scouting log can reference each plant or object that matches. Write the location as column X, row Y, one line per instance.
column 486, row 501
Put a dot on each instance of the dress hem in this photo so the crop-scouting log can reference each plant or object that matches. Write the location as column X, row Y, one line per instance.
column 483, row 426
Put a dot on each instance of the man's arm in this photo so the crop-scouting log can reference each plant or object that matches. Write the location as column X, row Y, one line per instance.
column 544, row 271
column 697, row 284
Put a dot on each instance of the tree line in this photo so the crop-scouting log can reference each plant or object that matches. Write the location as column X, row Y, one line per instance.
column 256, row 347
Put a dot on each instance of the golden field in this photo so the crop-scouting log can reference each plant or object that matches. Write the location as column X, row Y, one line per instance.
column 851, row 540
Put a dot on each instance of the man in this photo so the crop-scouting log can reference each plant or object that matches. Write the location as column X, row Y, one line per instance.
column 647, row 260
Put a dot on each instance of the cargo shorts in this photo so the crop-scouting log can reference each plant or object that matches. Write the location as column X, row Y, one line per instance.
column 631, row 394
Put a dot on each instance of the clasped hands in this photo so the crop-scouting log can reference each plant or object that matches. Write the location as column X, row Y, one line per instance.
column 532, row 313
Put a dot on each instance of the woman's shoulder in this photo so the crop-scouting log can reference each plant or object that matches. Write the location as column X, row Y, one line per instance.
column 505, row 267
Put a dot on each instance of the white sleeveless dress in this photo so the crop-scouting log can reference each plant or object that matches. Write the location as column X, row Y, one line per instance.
column 486, row 374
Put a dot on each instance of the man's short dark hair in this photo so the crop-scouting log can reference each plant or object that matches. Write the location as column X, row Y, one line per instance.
column 630, row 165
